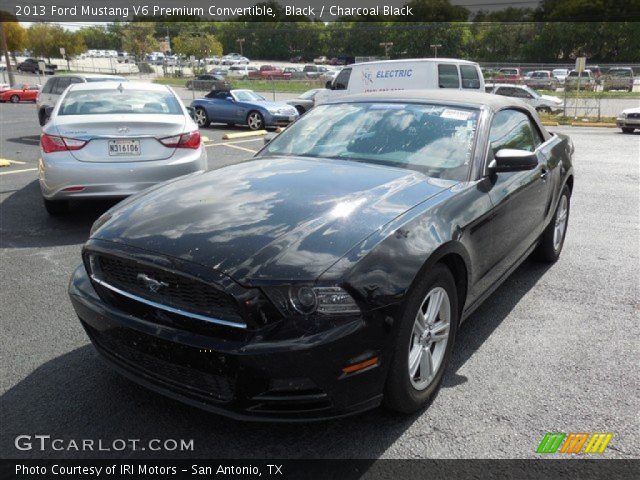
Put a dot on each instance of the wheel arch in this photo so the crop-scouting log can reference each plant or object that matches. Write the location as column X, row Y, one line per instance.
column 454, row 257
column 569, row 183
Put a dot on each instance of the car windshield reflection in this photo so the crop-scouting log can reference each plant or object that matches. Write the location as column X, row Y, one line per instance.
column 434, row 139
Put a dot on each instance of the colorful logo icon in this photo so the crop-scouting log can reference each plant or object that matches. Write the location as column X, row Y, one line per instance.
column 572, row 443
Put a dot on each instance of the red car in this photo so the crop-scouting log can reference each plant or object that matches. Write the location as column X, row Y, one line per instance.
column 269, row 72
column 27, row 93
column 509, row 75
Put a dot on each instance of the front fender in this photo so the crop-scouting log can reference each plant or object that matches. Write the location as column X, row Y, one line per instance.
column 382, row 268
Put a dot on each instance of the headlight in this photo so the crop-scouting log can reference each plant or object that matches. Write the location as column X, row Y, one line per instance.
column 623, row 115
column 307, row 300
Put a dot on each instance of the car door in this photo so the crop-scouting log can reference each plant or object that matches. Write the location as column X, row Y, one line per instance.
column 520, row 199
column 221, row 108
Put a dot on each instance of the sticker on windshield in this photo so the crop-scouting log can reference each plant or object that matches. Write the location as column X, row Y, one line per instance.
column 456, row 114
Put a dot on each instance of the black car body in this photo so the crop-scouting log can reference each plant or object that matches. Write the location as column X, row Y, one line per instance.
column 32, row 65
column 199, row 288
column 208, row 81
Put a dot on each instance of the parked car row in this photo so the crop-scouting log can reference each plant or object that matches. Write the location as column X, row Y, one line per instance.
column 615, row 78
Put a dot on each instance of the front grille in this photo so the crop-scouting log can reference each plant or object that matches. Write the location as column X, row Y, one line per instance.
column 633, row 115
column 191, row 372
column 175, row 290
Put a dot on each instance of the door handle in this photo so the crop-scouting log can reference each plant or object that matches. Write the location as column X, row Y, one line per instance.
column 543, row 174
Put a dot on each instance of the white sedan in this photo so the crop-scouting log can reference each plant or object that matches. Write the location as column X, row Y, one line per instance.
column 114, row 139
column 542, row 103
column 629, row 120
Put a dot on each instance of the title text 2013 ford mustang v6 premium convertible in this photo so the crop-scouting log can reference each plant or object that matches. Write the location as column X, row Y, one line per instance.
column 331, row 272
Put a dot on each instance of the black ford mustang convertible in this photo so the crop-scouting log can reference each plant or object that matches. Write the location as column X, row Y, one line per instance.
column 330, row 273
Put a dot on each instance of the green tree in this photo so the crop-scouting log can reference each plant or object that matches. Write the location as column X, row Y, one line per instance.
column 99, row 37
column 200, row 46
column 16, row 36
column 42, row 38
column 138, row 39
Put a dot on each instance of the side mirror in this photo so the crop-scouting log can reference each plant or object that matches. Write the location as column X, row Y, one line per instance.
column 512, row 160
column 192, row 112
column 268, row 138
column 230, row 99
column 47, row 113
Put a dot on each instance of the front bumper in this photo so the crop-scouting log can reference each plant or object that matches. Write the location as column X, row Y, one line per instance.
column 272, row 120
column 628, row 122
column 262, row 375
column 59, row 171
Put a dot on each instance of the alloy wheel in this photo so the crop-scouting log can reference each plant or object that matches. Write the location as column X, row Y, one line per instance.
column 429, row 338
column 254, row 120
column 201, row 117
column 561, row 223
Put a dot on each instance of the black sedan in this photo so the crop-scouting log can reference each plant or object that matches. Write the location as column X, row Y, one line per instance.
column 330, row 273
column 208, row 81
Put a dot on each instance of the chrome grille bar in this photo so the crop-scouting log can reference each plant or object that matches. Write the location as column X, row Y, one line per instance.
column 167, row 308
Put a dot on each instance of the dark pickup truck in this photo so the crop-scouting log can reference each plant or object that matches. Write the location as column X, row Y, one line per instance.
column 30, row 65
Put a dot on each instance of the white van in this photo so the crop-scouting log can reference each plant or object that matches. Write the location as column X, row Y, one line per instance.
column 410, row 74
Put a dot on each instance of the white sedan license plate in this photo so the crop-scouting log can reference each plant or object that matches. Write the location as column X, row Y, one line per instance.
column 124, row 147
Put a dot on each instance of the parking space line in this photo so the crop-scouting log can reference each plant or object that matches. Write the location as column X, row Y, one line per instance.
column 238, row 141
column 18, row 171
column 7, row 162
column 237, row 147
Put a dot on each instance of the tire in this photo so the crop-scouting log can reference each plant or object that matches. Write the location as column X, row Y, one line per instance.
column 56, row 208
column 41, row 118
column 552, row 240
column 255, row 120
column 544, row 110
column 407, row 393
column 300, row 109
column 14, row 99
column 627, row 130
column 202, row 119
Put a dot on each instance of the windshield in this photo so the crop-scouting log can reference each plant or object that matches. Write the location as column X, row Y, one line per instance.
column 584, row 74
column 104, row 102
column 247, row 96
column 620, row 73
column 434, row 139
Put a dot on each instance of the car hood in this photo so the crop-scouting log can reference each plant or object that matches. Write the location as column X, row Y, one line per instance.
column 551, row 99
column 284, row 218
column 631, row 110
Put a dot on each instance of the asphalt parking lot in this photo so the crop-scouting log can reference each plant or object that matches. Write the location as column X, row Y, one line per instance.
column 554, row 349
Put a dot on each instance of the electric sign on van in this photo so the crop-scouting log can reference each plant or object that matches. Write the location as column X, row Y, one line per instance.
column 389, row 78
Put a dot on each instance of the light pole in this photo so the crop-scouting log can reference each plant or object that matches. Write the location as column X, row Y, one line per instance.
column 435, row 47
column 387, row 46
column 240, row 42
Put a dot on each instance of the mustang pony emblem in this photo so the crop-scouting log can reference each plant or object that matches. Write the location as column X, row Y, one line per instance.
column 151, row 283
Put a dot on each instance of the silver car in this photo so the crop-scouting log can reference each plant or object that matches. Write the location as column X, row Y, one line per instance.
column 113, row 139
column 542, row 103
